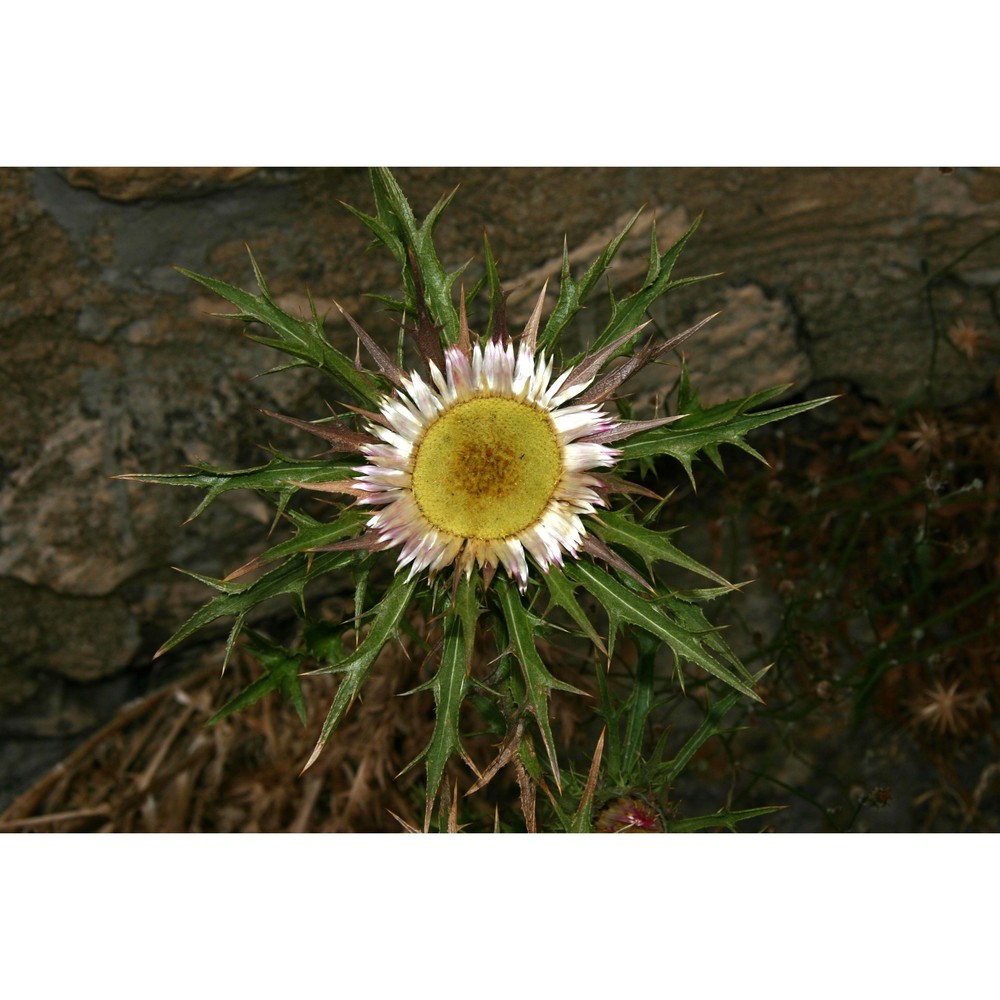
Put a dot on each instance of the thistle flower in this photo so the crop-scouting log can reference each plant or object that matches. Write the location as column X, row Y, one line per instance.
column 483, row 458
column 487, row 463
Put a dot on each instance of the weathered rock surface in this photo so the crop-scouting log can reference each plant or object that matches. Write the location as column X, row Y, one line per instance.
column 80, row 638
column 112, row 362
column 133, row 183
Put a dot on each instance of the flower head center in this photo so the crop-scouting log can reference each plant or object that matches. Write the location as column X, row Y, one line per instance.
column 487, row 468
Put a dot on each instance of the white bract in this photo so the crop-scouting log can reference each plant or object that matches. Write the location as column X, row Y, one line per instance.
column 486, row 464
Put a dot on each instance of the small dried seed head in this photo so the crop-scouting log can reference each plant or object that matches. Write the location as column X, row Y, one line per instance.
column 628, row 815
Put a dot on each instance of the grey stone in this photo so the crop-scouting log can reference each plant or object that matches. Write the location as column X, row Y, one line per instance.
column 78, row 638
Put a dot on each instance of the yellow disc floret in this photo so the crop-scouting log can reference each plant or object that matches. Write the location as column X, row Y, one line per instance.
column 487, row 468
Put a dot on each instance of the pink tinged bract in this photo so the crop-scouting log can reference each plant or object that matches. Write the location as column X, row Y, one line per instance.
column 497, row 371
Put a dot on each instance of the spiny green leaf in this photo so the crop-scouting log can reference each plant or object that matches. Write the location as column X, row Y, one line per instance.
column 573, row 294
column 225, row 586
column 628, row 312
column 529, row 758
column 711, row 726
column 640, row 702
column 473, row 293
column 361, row 576
column 537, row 679
column 312, row 534
column 727, row 818
column 705, row 430
column 356, row 667
column 325, row 638
column 303, row 340
column 396, row 305
column 561, row 590
column 693, row 619
column 396, row 226
column 496, row 290
column 282, row 674
column 247, row 697
column 386, row 616
column 289, row 578
column 450, row 686
column 468, row 609
column 687, row 395
column 383, row 234
column 275, row 477
column 630, row 607
column 616, row 527
column 611, row 714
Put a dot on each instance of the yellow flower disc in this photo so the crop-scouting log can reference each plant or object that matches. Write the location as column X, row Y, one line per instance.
column 487, row 468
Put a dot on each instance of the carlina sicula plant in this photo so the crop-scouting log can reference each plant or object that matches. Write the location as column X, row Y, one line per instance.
column 493, row 495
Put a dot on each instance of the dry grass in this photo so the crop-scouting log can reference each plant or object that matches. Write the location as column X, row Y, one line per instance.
column 156, row 767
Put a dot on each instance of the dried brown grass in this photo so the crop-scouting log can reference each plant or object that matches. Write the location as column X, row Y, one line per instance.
column 157, row 768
